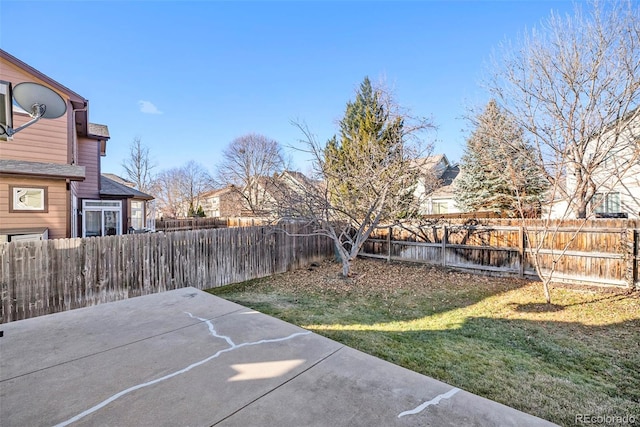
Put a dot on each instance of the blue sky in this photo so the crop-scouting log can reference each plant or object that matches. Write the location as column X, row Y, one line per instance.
column 190, row 76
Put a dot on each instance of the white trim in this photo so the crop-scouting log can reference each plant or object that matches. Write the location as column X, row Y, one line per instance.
column 6, row 119
column 101, row 206
column 137, row 207
column 28, row 199
column 74, row 216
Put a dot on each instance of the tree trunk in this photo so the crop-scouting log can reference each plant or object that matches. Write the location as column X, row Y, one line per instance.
column 346, row 268
column 581, row 212
column 547, row 293
column 342, row 253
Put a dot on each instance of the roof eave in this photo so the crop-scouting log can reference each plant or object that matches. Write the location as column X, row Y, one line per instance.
column 77, row 100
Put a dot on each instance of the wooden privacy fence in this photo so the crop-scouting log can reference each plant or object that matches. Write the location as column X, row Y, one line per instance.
column 205, row 223
column 49, row 276
column 600, row 252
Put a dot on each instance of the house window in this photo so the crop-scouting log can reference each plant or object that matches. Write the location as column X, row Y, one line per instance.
column 440, row 207
column 606, row 203
column 150, row 207
column 101, row 218
column 28, row 199
column 137, row 215
column 6, row 117
column 215, row 207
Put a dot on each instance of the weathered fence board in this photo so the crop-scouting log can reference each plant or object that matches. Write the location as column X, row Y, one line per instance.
column 48, row 276
column 594, row 252
column 197, row 223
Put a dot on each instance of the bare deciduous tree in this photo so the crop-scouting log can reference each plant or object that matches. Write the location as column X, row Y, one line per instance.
column 170, row 201
column 138, row 166
column 363, row 178
column 178, row 190
column 249, row 162
column 574, row 86
column 195, row 181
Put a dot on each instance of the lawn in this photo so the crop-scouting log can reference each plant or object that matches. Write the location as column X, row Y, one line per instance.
column 491, row 336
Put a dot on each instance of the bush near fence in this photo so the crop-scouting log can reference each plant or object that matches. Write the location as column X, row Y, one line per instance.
column 596, row 252
column 43, row 277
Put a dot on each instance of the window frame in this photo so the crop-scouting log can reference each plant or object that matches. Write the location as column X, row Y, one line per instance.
column 437, row 206
column 6, row 104
column 604, row 202
column 141, row 209
column 13, row 208
column 102, row 206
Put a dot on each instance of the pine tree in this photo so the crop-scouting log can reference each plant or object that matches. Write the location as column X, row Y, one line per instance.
column 370, row 138
column 496, row 172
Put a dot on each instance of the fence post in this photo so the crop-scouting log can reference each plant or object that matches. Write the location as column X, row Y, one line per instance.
column 630, row 255
column 389, row 239
column 521, row 249
column 445, row 232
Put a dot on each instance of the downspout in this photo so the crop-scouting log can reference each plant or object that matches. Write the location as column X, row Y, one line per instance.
column 73, row 207
column 74, row 147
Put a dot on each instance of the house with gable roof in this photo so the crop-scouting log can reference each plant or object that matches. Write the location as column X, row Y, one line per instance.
column 138, row 208
column 50, row 180
column 224, row 202
column 271, row 195
column 435, row 189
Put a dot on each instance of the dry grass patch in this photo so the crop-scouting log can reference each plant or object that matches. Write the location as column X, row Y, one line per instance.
column 487, row 335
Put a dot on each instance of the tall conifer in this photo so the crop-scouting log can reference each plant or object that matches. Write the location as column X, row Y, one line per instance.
column 496, row 171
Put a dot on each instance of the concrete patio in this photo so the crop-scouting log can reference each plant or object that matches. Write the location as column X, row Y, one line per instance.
column 187, row 358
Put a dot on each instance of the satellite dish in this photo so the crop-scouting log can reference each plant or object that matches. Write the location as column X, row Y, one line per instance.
column 39, row 101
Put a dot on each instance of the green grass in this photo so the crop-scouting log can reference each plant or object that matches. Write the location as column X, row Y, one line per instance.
column 489, row 336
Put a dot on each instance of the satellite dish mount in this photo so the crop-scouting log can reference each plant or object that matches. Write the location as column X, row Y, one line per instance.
column 39, row 101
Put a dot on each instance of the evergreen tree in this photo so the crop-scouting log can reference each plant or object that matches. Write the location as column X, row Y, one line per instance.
column 370, row 139
column 191, row 212
column 496, row 171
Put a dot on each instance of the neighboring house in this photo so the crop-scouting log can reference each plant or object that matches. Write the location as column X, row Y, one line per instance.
column 50, row 171
column 617, row 175
column 294, row 194
column 270, row 196
column 435, row 189
column 618, row 179
column 138, row 213
column 284, row 194
column 555, row 205
column 442, row 200
column 225, row 202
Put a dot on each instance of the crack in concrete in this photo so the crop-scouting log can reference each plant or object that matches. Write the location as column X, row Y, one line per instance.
column 214, row 333
column 431, row 402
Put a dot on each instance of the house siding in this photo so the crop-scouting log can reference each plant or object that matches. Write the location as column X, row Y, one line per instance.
column 426, row 196
column 89, row 157
column 56, row 217
column 52, row 142
column 618, row 174
column 628, row 188
column 47, row 141
column 225, row 203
